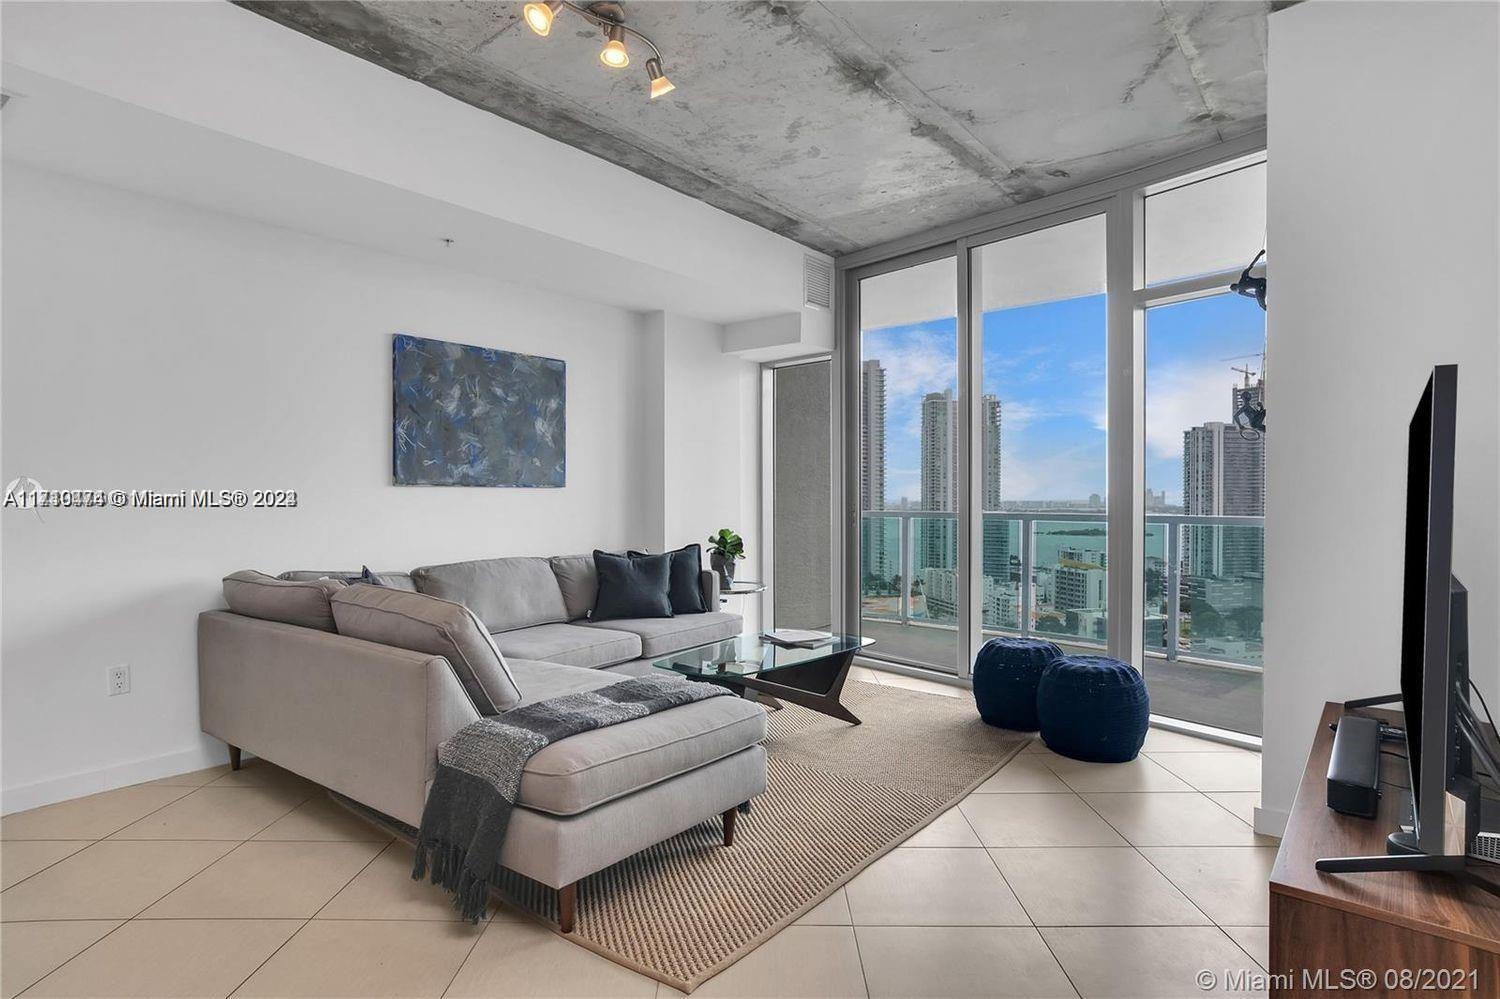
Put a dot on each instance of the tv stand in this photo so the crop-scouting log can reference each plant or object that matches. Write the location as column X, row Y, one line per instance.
column 1401, row 854
column 1396, row 913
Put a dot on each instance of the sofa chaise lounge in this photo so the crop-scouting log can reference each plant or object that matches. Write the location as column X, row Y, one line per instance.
column 365, row 718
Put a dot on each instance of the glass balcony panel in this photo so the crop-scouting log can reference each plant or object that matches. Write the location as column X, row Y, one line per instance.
column 1000, row 563
column 1222, row 593
column 1070, row 581
column 910, row 594
column 882, row 582
column 1155, row 593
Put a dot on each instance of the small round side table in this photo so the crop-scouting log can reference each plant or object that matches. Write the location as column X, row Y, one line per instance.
column 740, row 588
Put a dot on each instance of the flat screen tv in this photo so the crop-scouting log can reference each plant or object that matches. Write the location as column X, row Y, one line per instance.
column 1433, row 670
column 1442, row 731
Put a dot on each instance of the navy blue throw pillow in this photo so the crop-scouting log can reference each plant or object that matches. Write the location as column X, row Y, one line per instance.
column 632, row 587
column 684, row 588
column 365, row 576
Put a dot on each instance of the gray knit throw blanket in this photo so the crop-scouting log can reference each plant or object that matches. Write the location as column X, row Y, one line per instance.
column 479, row 776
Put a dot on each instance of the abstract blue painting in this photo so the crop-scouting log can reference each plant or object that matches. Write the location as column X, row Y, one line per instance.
column 474, row 416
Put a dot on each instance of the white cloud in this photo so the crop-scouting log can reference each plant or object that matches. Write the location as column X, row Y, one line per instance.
column 1179, row 396
column 917, row 368
column 903, row 483
column 1017, row 416
column 1071, row 474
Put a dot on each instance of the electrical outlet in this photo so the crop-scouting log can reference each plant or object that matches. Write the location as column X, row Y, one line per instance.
column 119, row 680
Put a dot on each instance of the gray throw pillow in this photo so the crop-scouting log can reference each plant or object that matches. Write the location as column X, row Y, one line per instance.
column 303, row 603
column 579, row 582
column 424, row 623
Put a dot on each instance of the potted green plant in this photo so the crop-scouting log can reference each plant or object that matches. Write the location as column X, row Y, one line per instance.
column 724, row 549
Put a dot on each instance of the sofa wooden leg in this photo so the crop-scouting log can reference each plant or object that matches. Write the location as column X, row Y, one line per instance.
column 729, row 818
column 567, row 906
column 234, row 757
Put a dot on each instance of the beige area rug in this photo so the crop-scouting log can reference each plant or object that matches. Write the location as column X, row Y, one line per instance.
column 838, row 797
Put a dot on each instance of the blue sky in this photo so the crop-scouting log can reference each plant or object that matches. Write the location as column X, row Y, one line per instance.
column 1047, row 364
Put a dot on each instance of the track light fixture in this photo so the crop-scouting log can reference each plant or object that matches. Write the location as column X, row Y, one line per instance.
column 609, row 17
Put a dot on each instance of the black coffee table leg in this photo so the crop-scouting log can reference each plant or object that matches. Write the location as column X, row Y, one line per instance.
column 817, row 686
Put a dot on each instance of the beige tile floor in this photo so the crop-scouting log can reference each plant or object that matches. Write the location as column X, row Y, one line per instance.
column 1054, row 878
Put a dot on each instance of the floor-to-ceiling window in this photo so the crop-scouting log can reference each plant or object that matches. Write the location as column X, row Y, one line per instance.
column 1055, row 418
column 909, row 407
column 1041, row 330
column 1205, row 460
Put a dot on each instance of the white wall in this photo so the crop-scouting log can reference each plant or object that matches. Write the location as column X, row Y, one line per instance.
column 708, row 418
column 152, row 345
column 1383, row 247
column 227, row 72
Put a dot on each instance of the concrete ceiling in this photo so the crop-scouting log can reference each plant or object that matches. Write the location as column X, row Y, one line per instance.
column 843, row 124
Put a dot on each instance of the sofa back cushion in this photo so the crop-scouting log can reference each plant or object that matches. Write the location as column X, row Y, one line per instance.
column 579, row 582
column 395, row 580
column 305, row 603
column 505, row 593
column 437, row 627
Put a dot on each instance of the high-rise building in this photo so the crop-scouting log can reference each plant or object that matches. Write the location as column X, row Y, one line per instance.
column 938, row 541
column 1079, row 589
column 935, row 539
column 939, row 452
column 1224, row 474
column 996, row 539
column 999, row 604
column 872, row 436
column 990, row 417
column 880, row 555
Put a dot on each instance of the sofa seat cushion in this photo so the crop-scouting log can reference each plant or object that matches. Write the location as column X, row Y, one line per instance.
column 569, row 644
column 662, row 636
column 588, row 769
column 505, row 593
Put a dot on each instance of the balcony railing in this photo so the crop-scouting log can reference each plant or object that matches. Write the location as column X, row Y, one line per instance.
column 1044, row 574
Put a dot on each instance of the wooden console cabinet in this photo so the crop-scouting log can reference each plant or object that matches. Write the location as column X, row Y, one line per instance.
column 1415, row 932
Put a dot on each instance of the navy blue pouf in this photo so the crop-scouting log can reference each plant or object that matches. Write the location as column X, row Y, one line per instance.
column 1093, row 708
column 1006, row 674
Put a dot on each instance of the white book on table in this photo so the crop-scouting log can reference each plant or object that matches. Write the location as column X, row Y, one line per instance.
column 797, row 638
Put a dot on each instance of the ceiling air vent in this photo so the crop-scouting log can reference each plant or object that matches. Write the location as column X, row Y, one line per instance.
column 817, row 283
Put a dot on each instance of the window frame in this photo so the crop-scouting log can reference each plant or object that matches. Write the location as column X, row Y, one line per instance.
column 1121, row 201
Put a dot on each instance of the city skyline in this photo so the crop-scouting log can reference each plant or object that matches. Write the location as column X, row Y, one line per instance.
column 1044, row 367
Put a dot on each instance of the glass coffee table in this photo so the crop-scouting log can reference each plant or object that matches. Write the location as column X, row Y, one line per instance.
column 763, row 671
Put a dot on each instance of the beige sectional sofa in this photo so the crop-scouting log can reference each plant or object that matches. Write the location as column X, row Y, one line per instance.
column 365, row 718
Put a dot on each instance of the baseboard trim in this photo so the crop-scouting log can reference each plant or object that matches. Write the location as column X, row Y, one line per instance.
column 1271, row 821
column 55, row 789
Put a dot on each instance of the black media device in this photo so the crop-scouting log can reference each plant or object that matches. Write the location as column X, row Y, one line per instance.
column 1443, row 733
column 1354, row 767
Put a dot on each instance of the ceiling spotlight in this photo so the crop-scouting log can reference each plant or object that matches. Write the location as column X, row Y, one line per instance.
column 614, row 55
column 659, row 82
column 539, row 16
column 609, row 17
